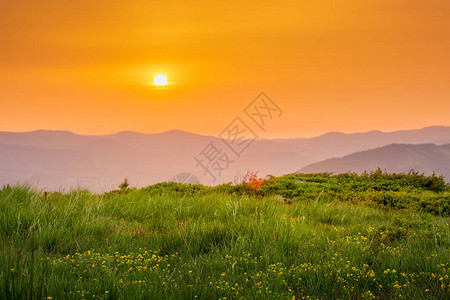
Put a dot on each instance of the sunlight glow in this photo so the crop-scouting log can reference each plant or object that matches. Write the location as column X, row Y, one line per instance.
column 160, row 79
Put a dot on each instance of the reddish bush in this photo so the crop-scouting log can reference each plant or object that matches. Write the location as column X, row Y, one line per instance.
column 252, row 180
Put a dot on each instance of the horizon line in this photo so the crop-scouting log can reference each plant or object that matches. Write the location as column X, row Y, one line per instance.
column 208, row 135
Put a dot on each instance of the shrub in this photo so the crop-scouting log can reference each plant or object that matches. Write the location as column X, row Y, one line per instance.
column 124, row 185
column 250, row 180
column 254, row 182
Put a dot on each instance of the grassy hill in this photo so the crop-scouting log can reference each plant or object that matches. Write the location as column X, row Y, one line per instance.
column 348, row 236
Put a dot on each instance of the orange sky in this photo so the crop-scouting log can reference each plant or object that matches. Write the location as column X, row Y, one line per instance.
column 87, row 66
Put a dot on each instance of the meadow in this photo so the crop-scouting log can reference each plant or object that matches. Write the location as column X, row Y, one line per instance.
column 299, row 236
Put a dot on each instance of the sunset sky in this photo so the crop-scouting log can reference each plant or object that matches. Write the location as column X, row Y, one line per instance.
column 88, row 66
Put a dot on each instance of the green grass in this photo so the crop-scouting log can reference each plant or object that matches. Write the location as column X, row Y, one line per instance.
column 318, row 236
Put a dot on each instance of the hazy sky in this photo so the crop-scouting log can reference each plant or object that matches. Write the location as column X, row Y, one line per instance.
column 88, row 66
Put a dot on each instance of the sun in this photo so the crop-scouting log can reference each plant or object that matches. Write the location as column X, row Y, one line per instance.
column 160, row 79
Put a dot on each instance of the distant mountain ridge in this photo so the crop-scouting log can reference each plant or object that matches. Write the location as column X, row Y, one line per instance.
column 336, row 144
column 395, row 158
column 62, row 159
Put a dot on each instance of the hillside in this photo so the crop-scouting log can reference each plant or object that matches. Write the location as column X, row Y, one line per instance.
column 427, row 158
column 300, row 236
column 336, row 144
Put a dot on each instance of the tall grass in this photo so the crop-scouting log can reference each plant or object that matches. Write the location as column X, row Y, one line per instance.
column 184, row 242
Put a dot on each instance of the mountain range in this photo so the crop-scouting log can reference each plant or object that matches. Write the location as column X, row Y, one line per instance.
column 61, row 160
column 394, row 158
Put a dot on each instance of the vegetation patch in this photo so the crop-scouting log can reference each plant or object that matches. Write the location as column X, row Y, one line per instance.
column 316, row 236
